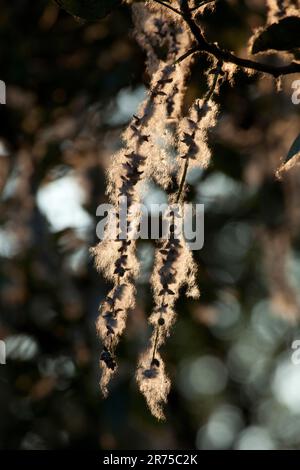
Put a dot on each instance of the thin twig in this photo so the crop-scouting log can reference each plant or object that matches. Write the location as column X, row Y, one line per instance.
column 156, row 335
column 155, row 345
column 186, row 163
column 168, row 6
column 182, row 180
column 186, row 54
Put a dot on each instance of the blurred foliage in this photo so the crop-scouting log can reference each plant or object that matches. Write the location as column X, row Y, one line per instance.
column 71, row 87
column 280, row 36
column 88, row 9
column 295, row 148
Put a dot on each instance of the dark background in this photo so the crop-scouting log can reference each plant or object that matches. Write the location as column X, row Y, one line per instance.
column 71, row 88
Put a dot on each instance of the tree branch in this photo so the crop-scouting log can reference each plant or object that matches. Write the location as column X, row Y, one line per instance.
column 227, row 56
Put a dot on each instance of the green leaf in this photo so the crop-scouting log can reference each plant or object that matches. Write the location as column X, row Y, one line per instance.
column 89, row 10
column 281, row 36
column 295, row 148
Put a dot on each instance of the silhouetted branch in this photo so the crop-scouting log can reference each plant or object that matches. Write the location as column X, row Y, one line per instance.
column 222, row 54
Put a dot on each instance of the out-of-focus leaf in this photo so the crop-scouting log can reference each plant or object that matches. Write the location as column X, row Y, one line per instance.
column 89, row 10
column 281, row 36
column 292, row 159
column 295, row 148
